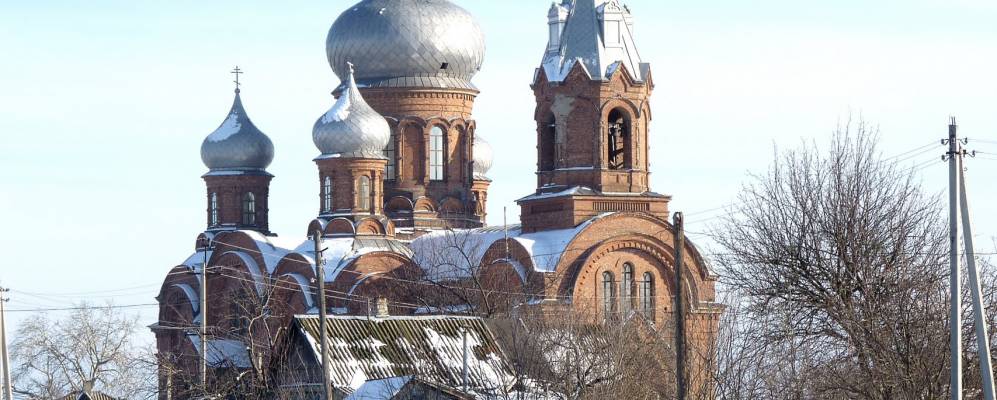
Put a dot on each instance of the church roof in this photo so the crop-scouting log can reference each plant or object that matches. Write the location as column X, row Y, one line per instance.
column 87, row 395
column 351, row 128
column 599, row 35
column 237, row 146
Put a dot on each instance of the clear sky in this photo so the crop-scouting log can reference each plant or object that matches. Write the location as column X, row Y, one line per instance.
column 104, row 104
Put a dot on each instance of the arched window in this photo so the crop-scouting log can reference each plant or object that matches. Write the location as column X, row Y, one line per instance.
column 363, row 193
column 547, row 137
column 249, row 209
column 327, row 194
column 238, row 324
column 647, row 295
column 214, row 209
column 616, row 143
column 628, row 288
column 436, row 146
column 608, row 295
column 389, row 153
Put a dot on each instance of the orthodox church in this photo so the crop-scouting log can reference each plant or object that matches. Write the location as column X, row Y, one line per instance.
column 401, row 189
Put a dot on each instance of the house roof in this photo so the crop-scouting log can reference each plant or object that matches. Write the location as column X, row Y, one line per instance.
column 431, row 347
column 86, row 395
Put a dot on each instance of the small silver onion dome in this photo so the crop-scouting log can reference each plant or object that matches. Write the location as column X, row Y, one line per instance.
column 351, row 128
column 482, row 157
column 237, row 145
column 407, row 43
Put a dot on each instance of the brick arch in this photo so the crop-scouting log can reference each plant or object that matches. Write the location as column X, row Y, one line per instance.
column 399, row 203
column 295, row 263
column 292, row 294
column 588, row 269
column 370, row 226
column 317, row 224
column 240, row 242
column 632, row 109
column 425, row 204
column 340, row 226
column 451, row 205
column 397, row 271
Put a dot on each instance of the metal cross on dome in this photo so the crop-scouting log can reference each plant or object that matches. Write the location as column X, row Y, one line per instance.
column 237, row 72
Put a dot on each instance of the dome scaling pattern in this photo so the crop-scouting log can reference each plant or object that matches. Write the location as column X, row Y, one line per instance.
column 237, row 145
column 407, row 43
column 351, row 128
column 482, row 157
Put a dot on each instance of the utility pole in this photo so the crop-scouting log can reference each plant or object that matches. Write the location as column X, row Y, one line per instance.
column 959, row 207
column 955, row 318
column 203, row 306
column 679, row 242
column 323, row 346
column 8, row 391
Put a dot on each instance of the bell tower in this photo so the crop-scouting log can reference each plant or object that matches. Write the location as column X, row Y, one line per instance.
column 593, row 115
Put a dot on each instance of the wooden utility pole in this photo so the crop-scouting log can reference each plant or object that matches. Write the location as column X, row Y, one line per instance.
column 680, row 356
column 323, row 345
column 8, row 390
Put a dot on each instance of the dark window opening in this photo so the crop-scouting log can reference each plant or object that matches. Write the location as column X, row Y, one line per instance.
column 618, row 136
column 249, row 209
column 445, row 66
column 547, row 138
column 647, row 296
column 608, row 296
column 628, row 288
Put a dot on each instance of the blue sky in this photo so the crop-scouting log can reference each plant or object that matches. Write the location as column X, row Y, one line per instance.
column 105, row 103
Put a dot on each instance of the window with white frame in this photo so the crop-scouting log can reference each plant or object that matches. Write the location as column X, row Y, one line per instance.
column 436, row 146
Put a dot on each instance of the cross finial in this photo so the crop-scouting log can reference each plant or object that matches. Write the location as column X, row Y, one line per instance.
column 349, row 64
column 237, row 72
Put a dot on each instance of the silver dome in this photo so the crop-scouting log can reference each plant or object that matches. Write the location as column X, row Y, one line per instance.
column 407, row 43
column 351, row 128
column 482, row 157
column 237, row 145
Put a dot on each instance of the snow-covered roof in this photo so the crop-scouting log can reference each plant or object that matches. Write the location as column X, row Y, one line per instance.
column 380, row 389
column 223, row 353
column 459, row 253
column 599, row 35
column 431, row 347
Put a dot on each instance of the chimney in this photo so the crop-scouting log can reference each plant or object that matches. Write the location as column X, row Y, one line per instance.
column 382, row 308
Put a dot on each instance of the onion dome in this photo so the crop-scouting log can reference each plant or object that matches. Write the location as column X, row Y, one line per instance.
column 407, row 43
column 482, row 157
column 351, row 128
column 237, row 145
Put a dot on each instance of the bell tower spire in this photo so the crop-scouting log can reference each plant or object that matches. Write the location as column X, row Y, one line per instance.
column 593, row 113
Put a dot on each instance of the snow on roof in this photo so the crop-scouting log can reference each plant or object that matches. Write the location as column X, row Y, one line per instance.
column 459, row 253
column 429, row 347
column 228, row 128
column 380, row 389
column 571, row 191
column 197, row 259
column 274, row 248
column 223, row 353
column 584, row 40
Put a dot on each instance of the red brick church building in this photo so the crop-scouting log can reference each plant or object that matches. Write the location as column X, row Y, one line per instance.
column 401, row 190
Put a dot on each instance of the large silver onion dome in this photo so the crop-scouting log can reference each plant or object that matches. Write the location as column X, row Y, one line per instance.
column 482, row 157
column 237, row 145
column 351, row 128
column 407, row 43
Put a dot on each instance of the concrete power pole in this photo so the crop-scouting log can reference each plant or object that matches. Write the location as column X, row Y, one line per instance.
column 955, row 318
column 959, row 207
column 323, row 346
column 680, row 359
column 8, row 390
column 203, row 306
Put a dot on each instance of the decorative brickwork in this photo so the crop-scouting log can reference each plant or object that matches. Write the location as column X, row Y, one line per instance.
column 238, row 201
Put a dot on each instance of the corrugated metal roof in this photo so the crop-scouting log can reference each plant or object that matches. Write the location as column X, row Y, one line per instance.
column 81, row 395
column 428, row 347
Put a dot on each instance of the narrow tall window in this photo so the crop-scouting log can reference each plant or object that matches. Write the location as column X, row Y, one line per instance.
column 616, row 142
column 363, row 193
column 249, row 209
column 389, row 153
column 647, row 296
column 214, row 209
column 608, row 295
column 547, row 136
column 238, row 324
column 436, row 146
column 628, row 288
column 327, row 194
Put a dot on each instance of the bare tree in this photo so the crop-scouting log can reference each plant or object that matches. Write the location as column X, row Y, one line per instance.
column 840, row 257
column 91, row 346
